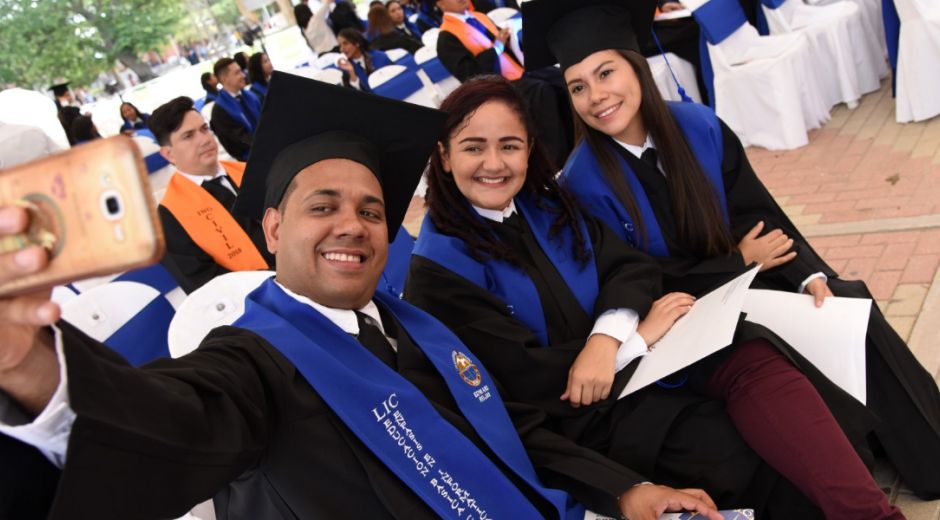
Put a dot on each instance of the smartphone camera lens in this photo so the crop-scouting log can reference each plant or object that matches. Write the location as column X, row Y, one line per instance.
column 111, row 206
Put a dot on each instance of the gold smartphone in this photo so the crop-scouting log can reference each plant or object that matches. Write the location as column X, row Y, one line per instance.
column 90, row 206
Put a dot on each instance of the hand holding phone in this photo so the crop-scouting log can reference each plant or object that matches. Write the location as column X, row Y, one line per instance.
column 90, row 208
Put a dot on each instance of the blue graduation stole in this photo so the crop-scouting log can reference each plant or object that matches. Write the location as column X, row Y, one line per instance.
column 234, row 108
column 259, row 89
column 509, row 283
column 395, row 421
column 585, row 177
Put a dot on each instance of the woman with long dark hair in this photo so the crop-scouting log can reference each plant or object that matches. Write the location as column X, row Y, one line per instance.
column 673, row 180
column 133, row 118
column 259, row 72
column 386, row 36
column 552, row 301
column 358, row 61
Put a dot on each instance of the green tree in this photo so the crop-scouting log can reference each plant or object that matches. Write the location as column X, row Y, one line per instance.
column 78, row 39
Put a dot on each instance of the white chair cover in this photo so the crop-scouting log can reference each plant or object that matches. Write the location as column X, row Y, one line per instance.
column 331, row 76
column 429, row 38
column 383, row 74
column 447, row 85
column 327, row 59
column 765, row 88
column 501, row 14
column 850, row 59
column 918, row 74
column 684, row 71
column 102, row 310
column 219, row 302
column 27, row 107
column 160, row 178
column 871, row 17
column 396, row 54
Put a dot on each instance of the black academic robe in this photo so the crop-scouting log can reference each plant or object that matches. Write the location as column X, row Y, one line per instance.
column 235, row 421
column 27, row 481
column 485, row 6
column 395, row 40
column 675, row 436
column 233, row 136
column 901, row 393
column 189, row 265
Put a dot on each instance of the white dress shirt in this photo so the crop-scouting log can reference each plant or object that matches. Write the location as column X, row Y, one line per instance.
column 637, row 151
column 619, row 324
column 49, row 432
column 199, row 179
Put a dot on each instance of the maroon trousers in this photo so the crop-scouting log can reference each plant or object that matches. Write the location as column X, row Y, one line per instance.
column 781, row 416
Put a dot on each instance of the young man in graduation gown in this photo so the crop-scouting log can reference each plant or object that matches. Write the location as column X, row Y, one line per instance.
column 325, row 399
column 470, row 44
column 203, row 238
column 236, row 110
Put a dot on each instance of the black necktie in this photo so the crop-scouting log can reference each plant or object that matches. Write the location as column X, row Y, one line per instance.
column 244, row 104
column 219, row 191
column 372, row 338
column 476, row 24
column 649, row 157
column 514, row 221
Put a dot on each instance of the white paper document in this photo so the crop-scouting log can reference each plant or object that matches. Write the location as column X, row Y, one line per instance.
column 706, row 329
column 672, row 15
column 832, row 337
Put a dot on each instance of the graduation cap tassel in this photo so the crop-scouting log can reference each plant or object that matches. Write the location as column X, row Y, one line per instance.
column 682, row 95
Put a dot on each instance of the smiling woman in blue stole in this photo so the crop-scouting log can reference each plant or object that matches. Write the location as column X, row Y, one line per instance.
column 557, row 307
column 326, row 399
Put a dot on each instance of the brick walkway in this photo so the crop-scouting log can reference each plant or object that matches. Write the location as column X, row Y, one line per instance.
column 866, row 192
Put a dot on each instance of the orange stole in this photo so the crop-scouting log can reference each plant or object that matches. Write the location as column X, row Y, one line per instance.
column 210, row 225
column 477, row 43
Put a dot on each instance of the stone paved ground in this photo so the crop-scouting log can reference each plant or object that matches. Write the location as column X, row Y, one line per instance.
column 866, row 192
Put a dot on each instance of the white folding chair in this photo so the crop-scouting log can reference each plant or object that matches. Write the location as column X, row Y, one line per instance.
column 129, row 317
column 764, row 87
column 501, row 14
column 327, row 59
column 445, row 83
column 396, row 54
column 918, row 69
column 159, row 177
column 331, row 76
column 851, row 62
column 219, row 302
column 685, row 74
column 383, row 74
column 429, row 38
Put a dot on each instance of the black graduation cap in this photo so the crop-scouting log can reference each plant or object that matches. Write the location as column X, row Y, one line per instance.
column 59, row 89
column 305, row 121
column 567, row 31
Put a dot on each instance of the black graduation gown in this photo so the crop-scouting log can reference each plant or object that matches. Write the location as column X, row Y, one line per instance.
column 233, row 136
column 27, row 481
column 675, row 436
column 395, row 40
column 544, row 90
column 485, row 6
column 189, row 265
column 235, row 420
column 901, row 393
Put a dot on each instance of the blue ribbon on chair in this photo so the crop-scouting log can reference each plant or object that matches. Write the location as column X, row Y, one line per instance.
column 155, row 162
column 399, row 87
column 435, row 70
column 155, row 276
column 762, row 28
column 892, row 34
column 144, row 337
column 408, row 60
column 719, row 19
